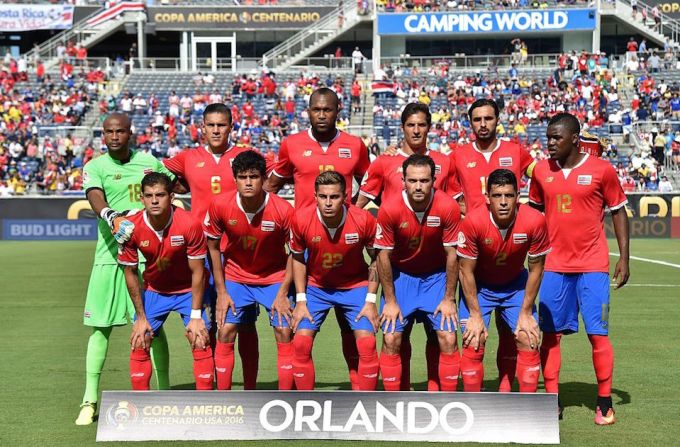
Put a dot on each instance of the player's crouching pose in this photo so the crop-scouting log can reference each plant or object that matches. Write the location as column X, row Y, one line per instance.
column 492, row 244
column 256, row 269
column 418, row 269
column 174, row 280
column 334, row 273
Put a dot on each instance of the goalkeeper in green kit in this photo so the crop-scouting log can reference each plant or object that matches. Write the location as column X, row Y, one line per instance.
column 112, row 186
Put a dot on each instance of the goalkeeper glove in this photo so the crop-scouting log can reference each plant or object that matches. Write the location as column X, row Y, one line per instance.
column 121, row 228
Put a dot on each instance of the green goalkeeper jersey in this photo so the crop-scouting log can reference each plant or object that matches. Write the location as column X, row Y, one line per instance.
column 121, row 183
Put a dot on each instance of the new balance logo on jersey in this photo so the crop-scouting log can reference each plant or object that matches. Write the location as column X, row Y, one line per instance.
column 488, row 241
column 433, row 221
column 584, row 179
column 549, row 179
column 268, row 226
column 118, row 176
column 144, row 244
column 504, row 162
column 316, row 239
column 351, row 238
column 343, row 152
column 472, row 164
column 176, row 241
column 307, row 153
column 200, row 164
column 232, row 222
column 403, row 225
column 519, row 238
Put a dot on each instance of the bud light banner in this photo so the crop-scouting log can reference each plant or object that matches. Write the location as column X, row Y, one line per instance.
column 372, row 416
column 487, row 22
column 26, row 17
column 49, row 230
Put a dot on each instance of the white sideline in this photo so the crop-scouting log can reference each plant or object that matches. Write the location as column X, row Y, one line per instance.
column 652, row 261
column 646, row 285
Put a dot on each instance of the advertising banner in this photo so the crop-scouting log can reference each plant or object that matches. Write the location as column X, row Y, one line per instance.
column 487, row 22
column 345, row 415
column 671, row 9
column 49, row 230
column 24, row 17
column 194, row 18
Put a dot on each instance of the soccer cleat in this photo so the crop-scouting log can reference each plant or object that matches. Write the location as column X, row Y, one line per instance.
column 560, row 409
column 86, row 415
column 609, row 419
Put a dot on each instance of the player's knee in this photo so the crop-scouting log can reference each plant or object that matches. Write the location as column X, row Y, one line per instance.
column 523, row 342
column 283, row 334
column 227, row 333
column 391, row 343
column 448, row 342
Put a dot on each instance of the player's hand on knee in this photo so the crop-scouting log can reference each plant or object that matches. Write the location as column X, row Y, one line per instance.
column 390, row 314
column 301, row 312
column 197, row 332
column 142, row 333
column 527, row 325
column 371, row 313
column 449, row 318
column 282, row 310
column 475, row 332
column 224, row 304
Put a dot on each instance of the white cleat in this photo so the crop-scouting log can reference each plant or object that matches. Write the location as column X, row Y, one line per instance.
column 86, row 415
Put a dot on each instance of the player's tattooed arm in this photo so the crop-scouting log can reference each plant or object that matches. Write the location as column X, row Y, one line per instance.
column 621, row 229
column 141, row 330
column 373, row 277
column 391, row 311
column 475, row 331
column 198, row 334
column 527, row 331
column 224, row 301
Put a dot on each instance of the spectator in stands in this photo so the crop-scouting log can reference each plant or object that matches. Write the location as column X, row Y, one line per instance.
column 665, row 185
column 358, row 60
column 632, row 46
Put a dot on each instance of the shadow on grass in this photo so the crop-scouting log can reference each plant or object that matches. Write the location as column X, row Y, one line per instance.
column 273, row 386
column 579, row 394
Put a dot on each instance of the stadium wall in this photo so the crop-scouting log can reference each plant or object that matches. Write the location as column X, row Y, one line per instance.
column 71, row 218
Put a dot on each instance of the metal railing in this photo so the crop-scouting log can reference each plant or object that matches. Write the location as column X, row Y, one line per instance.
column 669, row 26
column 239, row 64
column 548, row 60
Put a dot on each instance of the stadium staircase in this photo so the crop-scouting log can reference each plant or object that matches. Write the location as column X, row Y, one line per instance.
column 313, row 38
column 82, row 33
column 622, row 10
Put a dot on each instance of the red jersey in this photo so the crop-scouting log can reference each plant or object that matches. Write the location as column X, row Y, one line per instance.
column 590, row 144
column 418, row 241
column 167, row 252
column 206, row 176
column 303, row 158
column 334, row 260
column 255, row 252
column 500, row 254
column 385, row 176
column 574, row 204
column 471, row 168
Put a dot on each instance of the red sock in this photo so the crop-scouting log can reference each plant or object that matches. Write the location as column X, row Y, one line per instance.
column 390, row 369
column 303, row 365
column 472, row 369
column 204, row 368
column 405, row 356
column 248, row 350
column 349, row 350
column 432, row 360
column 368, row 364
column 506, row 360
column 551, row 361
column 224, row 364
column 284, row 363
column 449, row 369
column 528, row 370
column 140, row 369
column 603, row 361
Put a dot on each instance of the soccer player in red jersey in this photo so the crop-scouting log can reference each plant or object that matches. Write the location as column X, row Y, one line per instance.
column 470, row 166
column 304, row 156
column 174, row 280
column 418, row 269
column 574, row 189
column 206, row 171
column 334, row 273
column 493, row 244
column 256, row 268
column 385, row 180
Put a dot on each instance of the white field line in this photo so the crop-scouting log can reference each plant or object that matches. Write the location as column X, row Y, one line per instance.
column 651, row 261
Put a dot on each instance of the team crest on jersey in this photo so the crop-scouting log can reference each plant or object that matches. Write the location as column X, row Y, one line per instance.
column 461, row 240
column 316, row 239
column 437, row 169
column 268, row 226
column 549, row 179
column 519, row 238
column 351, row 238
column 472, row 164
column 118, row 176
column 144, row 244
column 232, row 222
column 505, row 162
column 403, row 225
column 584, row 179
column 344, row 152
column 307, row 153
column 433, row 221
column 200, row 164
column 176, row 241
column 488, row 241
column 148, row 171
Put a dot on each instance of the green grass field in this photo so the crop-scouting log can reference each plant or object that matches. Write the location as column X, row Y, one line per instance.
column 43, row 353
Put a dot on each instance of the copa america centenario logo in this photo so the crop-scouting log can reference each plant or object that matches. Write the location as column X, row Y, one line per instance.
column 122, row 414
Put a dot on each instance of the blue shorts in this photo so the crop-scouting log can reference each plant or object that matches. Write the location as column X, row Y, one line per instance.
column 507, row 299
column 418, row 296
column 563, row 295
column 249, row 314
column 247, row 296
column 157, row 307
column 349, row 303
